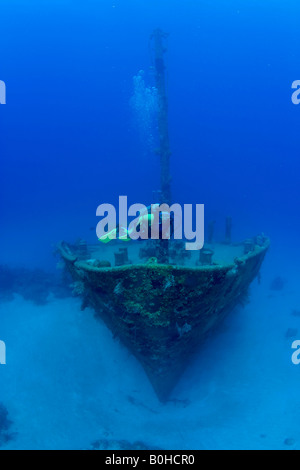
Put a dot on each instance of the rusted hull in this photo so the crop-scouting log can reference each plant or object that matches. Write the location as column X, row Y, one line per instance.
column 163, row 313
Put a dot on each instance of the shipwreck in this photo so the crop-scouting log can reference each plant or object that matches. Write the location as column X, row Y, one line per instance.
column 160, row 300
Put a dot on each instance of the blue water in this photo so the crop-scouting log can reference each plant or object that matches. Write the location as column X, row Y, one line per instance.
column 70, row 141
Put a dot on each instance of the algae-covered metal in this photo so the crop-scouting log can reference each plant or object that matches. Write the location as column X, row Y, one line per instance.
column 162, row 313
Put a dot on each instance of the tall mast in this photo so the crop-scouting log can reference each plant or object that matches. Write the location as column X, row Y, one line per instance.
column 164, row 141
column 162, row 247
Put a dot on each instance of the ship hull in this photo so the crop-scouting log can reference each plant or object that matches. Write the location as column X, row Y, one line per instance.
column 163, row 313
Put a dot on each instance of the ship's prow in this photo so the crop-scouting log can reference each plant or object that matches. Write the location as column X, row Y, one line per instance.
column 162, row 313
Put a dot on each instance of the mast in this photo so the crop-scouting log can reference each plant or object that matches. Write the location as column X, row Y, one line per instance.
column 164, row 142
